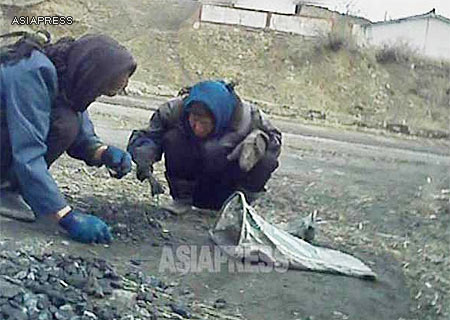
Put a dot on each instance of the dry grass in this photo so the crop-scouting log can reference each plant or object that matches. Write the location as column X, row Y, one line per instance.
column 286, row 74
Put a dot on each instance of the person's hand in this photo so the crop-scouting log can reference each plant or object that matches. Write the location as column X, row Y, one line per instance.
column 85, row 228
column 117, row 160
column 157, row 187
column 250, row 150
column 145, row 172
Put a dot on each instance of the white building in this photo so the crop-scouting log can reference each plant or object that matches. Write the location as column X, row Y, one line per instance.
column 427, row 34
column 292, row 16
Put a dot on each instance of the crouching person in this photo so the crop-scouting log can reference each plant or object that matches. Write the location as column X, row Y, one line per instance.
column 45, row 90
column 214, row 144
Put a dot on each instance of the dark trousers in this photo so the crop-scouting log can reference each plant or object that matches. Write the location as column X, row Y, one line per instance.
column 209, row 182
column 64, row 128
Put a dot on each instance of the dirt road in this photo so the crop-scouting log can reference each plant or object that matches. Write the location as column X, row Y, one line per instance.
column 384, row 199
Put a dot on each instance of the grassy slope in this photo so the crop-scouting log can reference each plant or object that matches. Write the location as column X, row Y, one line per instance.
column 289, row 75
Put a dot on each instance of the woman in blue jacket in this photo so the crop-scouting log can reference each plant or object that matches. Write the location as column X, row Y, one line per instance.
column 45, row 91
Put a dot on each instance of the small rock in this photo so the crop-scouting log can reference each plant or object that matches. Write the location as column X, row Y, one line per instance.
column 145, row 296
column 42, row 301
column 77, row 280
column 57, row 298
column 63, row 315
column 111, row 274
column 33, row 315
column 144, row 312
column 117, row 284
column 93, row 288
column 181, row 310
column 8, row 289
column 220, row 303
column 43, row 277
column 80, row 307
column 13, row 313
column 21, row 275
column 122, row 299
column 399, row 128
column 52, row 309
column 45, row 315
column 135, row 262
column 90, row 315
column 66, row 307
column 107, row 313
column 155, row 282
column 105, row 284
column 141, row 303
column 14, row 304
column 30, row 301
column 12, row 280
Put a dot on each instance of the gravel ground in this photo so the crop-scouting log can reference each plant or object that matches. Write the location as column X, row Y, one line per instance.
column 387, row 206
column 45, row 286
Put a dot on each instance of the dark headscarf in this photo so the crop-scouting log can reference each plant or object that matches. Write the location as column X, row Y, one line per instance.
column 93, row 61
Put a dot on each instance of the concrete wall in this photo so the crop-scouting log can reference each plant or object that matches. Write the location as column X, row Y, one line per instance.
column 424, row 36
column 317, row 12
column 438, row 40
column 304, row 26
column 407, row 32
column 227, row 15
column 20, row 3
column 341, row 24
column 218, row 2
column 275, row 6
column 309, row 21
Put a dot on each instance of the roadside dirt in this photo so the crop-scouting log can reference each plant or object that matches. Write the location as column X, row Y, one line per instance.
column 384, row 201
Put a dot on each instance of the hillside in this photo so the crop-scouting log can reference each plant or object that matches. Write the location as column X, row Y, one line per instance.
column 324, row 80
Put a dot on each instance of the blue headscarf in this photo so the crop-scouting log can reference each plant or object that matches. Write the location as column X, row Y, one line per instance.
column 218, row 97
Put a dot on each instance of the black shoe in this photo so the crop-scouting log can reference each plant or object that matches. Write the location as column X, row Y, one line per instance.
column 13, row 206
column 178, row 206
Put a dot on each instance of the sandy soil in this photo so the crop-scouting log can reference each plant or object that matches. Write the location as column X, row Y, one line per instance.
column 384, row 199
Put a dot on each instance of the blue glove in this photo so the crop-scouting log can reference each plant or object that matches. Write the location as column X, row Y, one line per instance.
column 85, row 228
column 117, row 160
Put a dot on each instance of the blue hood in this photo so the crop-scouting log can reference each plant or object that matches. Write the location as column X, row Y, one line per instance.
column 219, row 98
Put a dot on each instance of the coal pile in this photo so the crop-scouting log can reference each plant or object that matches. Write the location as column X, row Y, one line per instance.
column 54, row 286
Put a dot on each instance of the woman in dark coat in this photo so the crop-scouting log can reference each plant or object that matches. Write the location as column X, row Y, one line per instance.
column 214, row 144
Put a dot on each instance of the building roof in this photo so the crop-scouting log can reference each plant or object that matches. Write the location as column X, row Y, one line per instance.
column 430, row 14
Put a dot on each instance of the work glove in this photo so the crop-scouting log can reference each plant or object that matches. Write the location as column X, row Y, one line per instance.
column 145, row 172
column 85, row 228
column 250, row 150
column 117, row 161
